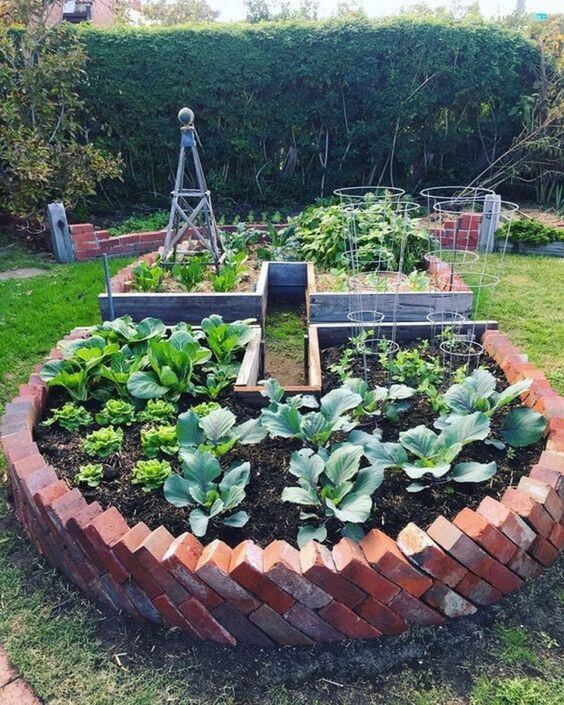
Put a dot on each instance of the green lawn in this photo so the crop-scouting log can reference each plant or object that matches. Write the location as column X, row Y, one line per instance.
column 74, row 654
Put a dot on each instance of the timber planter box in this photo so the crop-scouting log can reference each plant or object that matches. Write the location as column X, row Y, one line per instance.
column 332, row 306
column 190, row 307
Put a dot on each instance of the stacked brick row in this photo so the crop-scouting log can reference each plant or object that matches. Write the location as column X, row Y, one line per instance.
column 89, row 243
column 279, row 595
column 463, row 232
column 121, row 282
column 443, row 277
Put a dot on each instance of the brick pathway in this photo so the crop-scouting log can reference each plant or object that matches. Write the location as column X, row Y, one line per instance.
column 13, row 690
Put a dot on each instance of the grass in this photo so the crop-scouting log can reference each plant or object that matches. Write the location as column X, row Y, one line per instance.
column 75, row 654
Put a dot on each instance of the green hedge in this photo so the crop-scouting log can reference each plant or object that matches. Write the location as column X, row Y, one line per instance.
column 429, row 101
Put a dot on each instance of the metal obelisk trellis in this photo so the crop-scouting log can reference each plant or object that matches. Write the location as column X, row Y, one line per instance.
column 191, row 205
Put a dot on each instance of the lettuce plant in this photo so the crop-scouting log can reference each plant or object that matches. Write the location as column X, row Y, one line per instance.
column 173, row 362
column 433, row 453
column 90, row 475
column 332, row 485
column 116, row 412
column 216, row 432
column 159, row 440
column 212, row 493
column 103, row 442
column 150, row 474
column 192, row 271
column 205, row 408
column 314, row 427
column 157, row 410
column 389, row 401
column 70, row 416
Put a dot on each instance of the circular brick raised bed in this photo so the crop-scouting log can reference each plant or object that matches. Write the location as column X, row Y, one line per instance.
column 279, row 595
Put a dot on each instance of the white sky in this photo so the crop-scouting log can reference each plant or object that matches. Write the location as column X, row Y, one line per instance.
column 235, row 9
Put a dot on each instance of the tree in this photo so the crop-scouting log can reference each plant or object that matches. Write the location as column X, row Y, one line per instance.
column 44, row 151
column 171, row 12
column 280, row 10
column 350, row 9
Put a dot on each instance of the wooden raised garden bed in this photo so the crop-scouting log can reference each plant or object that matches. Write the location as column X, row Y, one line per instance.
column 331, row 306
column 277, row 594
column 190, row 307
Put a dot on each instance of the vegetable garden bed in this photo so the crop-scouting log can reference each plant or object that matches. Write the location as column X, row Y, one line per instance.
column 262, row 590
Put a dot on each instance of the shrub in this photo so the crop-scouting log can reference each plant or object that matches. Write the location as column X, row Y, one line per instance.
column 141, row 224
column 529, row 232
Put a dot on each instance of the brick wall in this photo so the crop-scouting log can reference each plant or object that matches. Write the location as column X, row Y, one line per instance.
column 462, row 232
column 89, row 243
column 280, row 595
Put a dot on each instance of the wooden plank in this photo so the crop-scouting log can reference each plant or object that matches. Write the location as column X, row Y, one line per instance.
column 313, row 358
column 191, row 308
column 287, row 274
column 332, row 334
column 61, row 237
column 411, row 305
column 251, row 363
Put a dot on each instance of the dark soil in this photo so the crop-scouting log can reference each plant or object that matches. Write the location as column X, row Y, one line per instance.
column 270, row 518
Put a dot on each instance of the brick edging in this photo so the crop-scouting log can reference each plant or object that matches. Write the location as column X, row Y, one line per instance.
column 280, row 595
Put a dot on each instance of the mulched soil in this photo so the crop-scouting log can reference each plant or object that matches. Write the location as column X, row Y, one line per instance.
column 270, row 518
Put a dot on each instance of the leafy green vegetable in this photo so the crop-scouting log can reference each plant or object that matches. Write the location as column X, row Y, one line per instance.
column 70, row 417
column 205, row 408
column 192, row 271
column 147, row 277
column 104, row 442
column 213, row 493
column 331, row 485
column 159, row 440
column 523, row 427
column 151, row 474
column 226, row 339
column 389, row 401
column 116, row 412
column 314, row 427
column 90, row 475
column 216, row 432
column 157, row 410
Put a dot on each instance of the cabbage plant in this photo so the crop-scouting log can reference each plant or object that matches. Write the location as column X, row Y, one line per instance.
column 313, row 427
column 212, row 493
column 332, row 485
column 215, row 432
column 427, row 457
column 389, row 401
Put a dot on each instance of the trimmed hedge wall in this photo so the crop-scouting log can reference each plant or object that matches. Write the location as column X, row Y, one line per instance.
column 417, row 101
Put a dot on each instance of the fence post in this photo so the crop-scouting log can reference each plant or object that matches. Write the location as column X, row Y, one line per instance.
column 489, row 223
column 60, row 233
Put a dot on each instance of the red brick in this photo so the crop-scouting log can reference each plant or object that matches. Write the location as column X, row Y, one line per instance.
column 318, row 566
column 311, row 624
column 507, row 522
column 150, row 554
column 477, row 590
column 62, row 509
column 543, row 551
column 544, row 494
column 383, row 553
column 204, row 623
column 282, row 566
column 485, row 535
column 181, row 559
column 117, row 595
column 246, row 567
column 447, row 535
column 21, row 452
column 125, row 551
column 502, row 578
column 172, row 617
column 556, row 537
column 381, row 616
column 529, row 509
column 242, row 629
column 415, row 611
column 277, row 627
column 351, row 563
column 213, row 568
column 552, row 460
column 98, row 538
column 14, row 440
column 141, row 601
column 524, row 566
column 78, row 521
column 37, row 480
column 419, row 547
column 348, row 622
column 49, row 494
column 27, row 465
column 554, row 478
column 447, row 601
